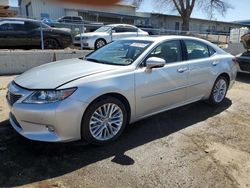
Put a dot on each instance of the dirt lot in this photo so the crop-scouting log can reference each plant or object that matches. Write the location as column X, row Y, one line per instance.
column 193, row 146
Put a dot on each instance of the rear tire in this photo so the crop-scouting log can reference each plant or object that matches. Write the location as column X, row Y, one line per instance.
column 104, row 121
column 219, row 91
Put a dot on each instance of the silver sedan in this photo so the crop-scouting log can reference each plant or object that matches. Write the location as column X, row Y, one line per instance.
column 95, row 97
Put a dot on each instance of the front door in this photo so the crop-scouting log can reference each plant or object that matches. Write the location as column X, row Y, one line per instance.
column 162, row 88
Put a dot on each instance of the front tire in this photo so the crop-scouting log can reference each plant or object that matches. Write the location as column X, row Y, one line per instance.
column 100, row 43
column 219, row 91
column 104, row 121
column 51, row 44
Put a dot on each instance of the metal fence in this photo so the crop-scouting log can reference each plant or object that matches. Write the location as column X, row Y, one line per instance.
column 80, row 28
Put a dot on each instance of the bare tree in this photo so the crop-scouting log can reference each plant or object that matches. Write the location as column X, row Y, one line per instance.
column 186, row 7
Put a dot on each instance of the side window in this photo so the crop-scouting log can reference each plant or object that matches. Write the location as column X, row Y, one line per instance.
column 66, row 19
column 170, row 51
column 5, row 27
column 17, row 27
column 76, row 19
column 130, row 29
column 31, row 26
column 119, row 29
column 196, row 50
column 211, row 51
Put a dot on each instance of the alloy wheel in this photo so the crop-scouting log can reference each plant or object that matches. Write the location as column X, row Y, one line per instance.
column 106, row 122
column 220, row 90
column 100, row 43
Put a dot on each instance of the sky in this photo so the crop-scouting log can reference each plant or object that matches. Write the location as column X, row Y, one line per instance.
column 240, row 10
column 14, row 3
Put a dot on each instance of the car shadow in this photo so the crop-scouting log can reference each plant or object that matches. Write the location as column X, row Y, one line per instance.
column 24, row 162
column 243, row 77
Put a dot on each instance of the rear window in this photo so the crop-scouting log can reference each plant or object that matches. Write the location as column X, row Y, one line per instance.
column 130, row 29
column 12, row 26
column 76, row 19
column 211, row 51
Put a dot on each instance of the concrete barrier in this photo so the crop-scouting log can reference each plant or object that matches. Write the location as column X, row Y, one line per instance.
column 19, row 61
column 16, row 62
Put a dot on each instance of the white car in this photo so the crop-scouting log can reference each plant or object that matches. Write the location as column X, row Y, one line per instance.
column 107, row 34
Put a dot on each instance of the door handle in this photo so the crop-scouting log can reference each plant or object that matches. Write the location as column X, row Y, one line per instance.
column 181, row 70
column 215, row 63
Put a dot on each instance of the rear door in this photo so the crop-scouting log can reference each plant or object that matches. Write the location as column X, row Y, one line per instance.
column 201, row 67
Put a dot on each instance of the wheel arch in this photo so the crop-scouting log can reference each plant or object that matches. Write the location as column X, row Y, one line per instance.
column 101, row 38
column 118, row 96
column 226, row 75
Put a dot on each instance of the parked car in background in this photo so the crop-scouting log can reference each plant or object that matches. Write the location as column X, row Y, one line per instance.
column 92, row 26
column 95, row 97
column 26, row 33
column 71, row 19
column 49, row 22
column 107, row 34
column 244, row 58
column 150, row 29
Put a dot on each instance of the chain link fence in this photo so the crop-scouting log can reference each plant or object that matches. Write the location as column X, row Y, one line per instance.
column 79, row 29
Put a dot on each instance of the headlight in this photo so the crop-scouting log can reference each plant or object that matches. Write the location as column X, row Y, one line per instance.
column 49, row 96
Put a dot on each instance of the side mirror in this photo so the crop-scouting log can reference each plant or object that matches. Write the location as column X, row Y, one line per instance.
column 113, row 31
column 155, row 62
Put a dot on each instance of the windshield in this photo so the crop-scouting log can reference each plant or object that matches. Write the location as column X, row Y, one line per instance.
column 122, row 52
column 104, row 29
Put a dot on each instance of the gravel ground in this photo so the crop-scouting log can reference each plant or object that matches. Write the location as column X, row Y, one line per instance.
column 192, row 146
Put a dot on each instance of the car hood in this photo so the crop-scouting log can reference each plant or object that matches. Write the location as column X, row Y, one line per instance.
column 246, row 41
column 92, row 34
column 53, row 75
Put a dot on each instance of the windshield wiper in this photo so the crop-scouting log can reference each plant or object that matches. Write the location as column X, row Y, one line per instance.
column 93, row 60
column 102, row 62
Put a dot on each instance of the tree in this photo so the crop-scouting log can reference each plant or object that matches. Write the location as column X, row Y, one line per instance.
column 186, row 7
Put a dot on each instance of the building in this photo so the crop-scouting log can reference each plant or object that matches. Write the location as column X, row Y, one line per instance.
column 174, row 23
column 124, row 12
column 245, row 22
column 5, row 9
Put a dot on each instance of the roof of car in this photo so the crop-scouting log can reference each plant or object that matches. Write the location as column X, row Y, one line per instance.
column 19, row 19
column 116, row 25
column 158, row 39
column 165, row 37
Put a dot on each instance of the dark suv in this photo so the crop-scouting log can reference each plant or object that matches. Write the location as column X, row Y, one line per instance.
column 26, row 33
column 244, row 58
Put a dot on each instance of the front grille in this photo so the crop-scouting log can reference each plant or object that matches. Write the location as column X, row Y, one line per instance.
column 12, row 98
column 245, row 66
